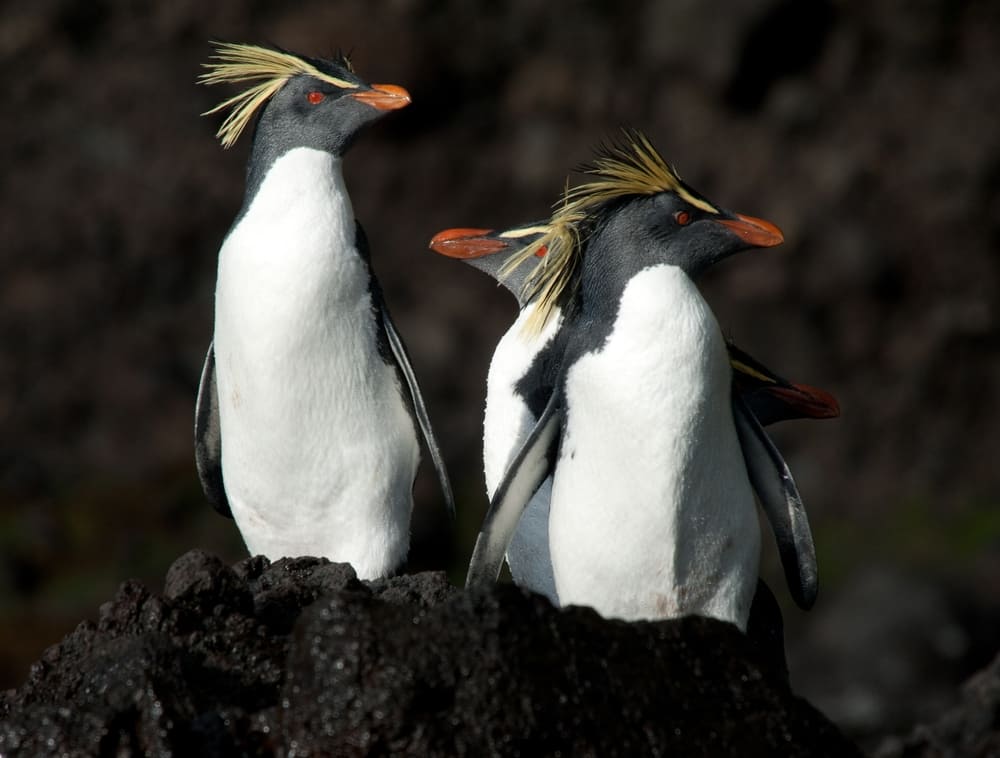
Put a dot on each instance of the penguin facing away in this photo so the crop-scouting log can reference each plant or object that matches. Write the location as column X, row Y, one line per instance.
column 652, row 509
column 307, row 413
column 513, row 393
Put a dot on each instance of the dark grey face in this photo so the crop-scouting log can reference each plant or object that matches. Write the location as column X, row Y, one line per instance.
column 657, row 229
column 309, row 112
column 492, row 264
column 313, row 113
column 490, row 251
column 639, row 232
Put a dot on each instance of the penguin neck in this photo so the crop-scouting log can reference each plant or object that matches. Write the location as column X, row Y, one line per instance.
column 296, row 234
column 302, row 191
column 513, row 281
column 492, row 265
column 603, row 283
column 665, row 292
column 265, row 153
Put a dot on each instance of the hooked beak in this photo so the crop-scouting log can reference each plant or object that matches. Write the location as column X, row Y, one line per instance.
column 754, row 231
column 466, row 243
column 383, row 97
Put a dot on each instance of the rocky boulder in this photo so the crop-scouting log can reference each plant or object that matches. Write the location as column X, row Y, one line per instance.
column 298, row 658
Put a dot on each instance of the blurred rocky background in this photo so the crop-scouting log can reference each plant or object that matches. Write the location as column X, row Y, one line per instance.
column 866, row 131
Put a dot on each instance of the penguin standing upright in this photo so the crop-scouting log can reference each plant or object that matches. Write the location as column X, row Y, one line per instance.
column 519, row 384
column 307, row 415
column 652, row 509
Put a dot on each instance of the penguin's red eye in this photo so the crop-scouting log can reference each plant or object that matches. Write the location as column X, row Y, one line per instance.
column 682, row 217
column 540, row 253
column 315, row 97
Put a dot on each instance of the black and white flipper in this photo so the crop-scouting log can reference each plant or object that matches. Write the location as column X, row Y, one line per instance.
column 208, row 438
column 779, row 497
column 534, row 462
column 419, row 409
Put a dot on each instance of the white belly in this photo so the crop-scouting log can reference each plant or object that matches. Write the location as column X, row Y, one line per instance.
column 652, row 512
column 318, row 449
column 507, row 424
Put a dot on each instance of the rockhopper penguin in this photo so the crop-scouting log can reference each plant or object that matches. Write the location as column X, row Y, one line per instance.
column 307, row 414
column 650, row 452
column 515, row 400
column 511, row 387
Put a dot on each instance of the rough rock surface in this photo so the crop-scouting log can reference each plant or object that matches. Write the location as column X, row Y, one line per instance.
column 300, row 658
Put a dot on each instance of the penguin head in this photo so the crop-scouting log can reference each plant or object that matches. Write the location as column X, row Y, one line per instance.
column 676, row 227
column 495, row 252
column 312, row 112
column 642, row 214
column 303, row 102
column 633, row 214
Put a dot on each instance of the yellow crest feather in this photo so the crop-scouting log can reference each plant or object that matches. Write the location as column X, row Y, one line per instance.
column 270, row 69
column 631, row 167
column 553, row 273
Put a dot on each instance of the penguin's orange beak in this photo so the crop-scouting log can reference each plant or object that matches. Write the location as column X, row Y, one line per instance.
column 807, row 401
column 383, row 97
column 466, row 243
column 753, row 231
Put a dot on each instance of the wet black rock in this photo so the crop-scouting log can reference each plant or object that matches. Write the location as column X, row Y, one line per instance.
column 298, row 657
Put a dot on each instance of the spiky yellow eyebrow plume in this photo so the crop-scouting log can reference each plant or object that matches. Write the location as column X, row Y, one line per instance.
column 743, row 368
column 553, row 272
column 524, row 231
column 631, row 167
column 244, row 63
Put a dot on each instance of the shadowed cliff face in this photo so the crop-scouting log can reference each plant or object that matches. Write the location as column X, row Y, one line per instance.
column 300, row 658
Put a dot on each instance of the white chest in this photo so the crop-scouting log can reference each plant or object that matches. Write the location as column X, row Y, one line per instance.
column 652, row 512
column 318, row 449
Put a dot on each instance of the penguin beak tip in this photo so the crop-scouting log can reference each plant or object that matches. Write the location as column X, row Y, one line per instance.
column 756, row 232
column 384, row 97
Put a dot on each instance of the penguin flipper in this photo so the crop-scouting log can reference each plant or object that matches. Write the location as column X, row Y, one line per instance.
column 780, row 499
column 402, row 361
column 419, row 409
column 533, row 463
column 208, row 437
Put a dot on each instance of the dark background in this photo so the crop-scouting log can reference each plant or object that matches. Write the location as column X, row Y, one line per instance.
column 866, row 131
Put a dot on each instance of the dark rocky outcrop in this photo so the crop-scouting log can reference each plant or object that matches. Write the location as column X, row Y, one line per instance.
column 300, row 658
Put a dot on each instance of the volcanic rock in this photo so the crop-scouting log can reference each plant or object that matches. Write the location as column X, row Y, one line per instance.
column 298, row 657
